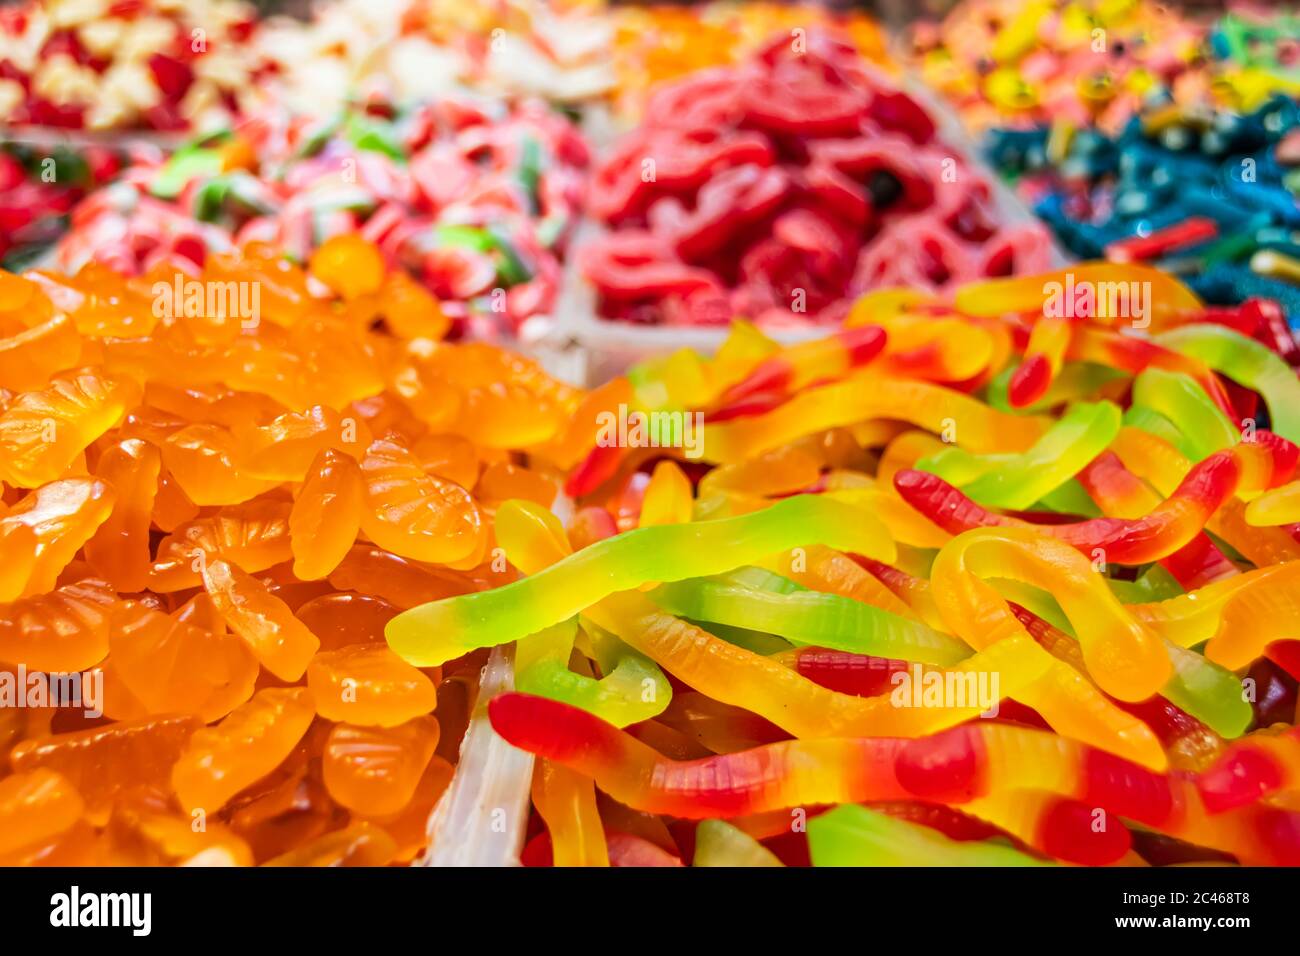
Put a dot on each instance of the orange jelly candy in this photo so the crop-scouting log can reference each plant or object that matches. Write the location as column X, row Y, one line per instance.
column 374, row 770
column 212, row 519
column 119, row 551
column 349, row 265
column 326, row 514
column 43, row 432
column 105, row 760
column 280, row 641
column 415, row 514
column 340, row 619
column 170, row 665
column 246, row 746
column 368, row 684
column 36, row 806
column 62, row 630
column 254, row 535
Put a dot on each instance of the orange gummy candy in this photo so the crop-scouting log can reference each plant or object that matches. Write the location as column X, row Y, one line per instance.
column 247, row 745
column 284, row 448
column 146, row 830
column 349, row 265
column 254, row 535
column 340, row 619
column 201, row 458
column 36, row 806
column 448, row 456
column 217, row 514
column 119, row 551
column 43, row 432
column 414, row 514
column 326, row 514
column 280, row 641
column 361, row 844
column 63, row 630
column 28, row 358
column 374, row 770
column 502, row 481
column 102, row 761
column 370, row 685
column 170, row 665
column 62, row 515
column 402, row 583
column 409, row 827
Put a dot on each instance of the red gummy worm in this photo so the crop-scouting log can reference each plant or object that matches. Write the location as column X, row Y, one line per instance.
column 769, row 777
column 1265, row 463
column 1109, row 483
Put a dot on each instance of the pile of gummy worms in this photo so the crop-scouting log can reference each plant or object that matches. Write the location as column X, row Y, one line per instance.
column 940, row 493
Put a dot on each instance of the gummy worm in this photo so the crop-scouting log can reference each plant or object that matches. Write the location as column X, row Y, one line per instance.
column 1239, row 616
column 1135, row 355
column 805, row 362
column 1018, row 480
column 865, row 396
column 1247, row 466
column 1170, row 300
column 620, row 697
column 984, row 759
column 1277, row 507
column 1159, row 463
column 1203, row 427
column 1126, row 658
column 718, row 843
column 1121, row 494
column 1059, row 827
column 762, row 685
column 1249, row 363
column 734, row 675
column 434, row 633
column 566, row 801
column 1044, row 355
column 771, row 777
column 1064, row 697
column 851, row 835
column 821, row 569
column 1076, row 381
column 1179, row 732
column 1250, row 770
column 810, row 617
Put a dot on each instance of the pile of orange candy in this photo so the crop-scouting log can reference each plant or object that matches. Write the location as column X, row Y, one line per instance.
column 217, row 489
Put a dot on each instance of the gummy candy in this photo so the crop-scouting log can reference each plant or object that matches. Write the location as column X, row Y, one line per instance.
column 1099, row 562
column 197, row 515
column 712, row 216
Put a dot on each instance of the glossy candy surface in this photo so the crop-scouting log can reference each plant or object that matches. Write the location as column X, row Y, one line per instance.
column 778, row 188
column 1039, row 605
column 191, row 614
